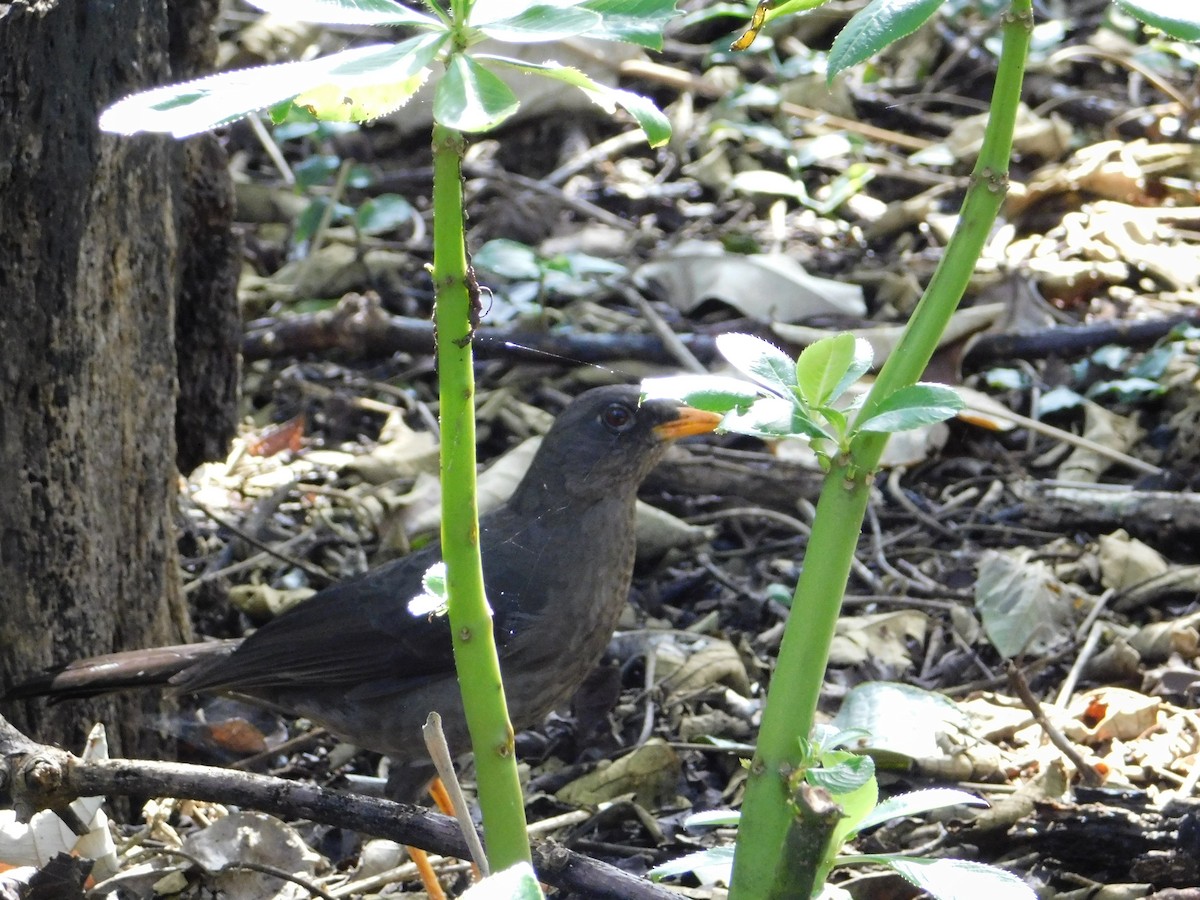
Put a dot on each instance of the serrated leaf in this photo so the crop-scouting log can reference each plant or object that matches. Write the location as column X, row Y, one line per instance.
column 760, row 360
column 913, row 406
column 856, row 804
column 917, row 802
column 879, row 23
column 823, row 366
column 711, row 393
column 539, row 23
column 773, row 418
column 639, row 22
column 960, row 879
column 846, row 776
column 651, row 120
column 345, row 12
column 334, row 103
column 1178, row 19
column 471, row 98
column 195, row 106
column 708, row 865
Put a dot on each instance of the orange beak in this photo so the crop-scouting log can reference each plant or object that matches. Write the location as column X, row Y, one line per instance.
column 688, row 421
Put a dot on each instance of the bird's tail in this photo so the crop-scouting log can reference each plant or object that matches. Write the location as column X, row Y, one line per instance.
column 155, row 667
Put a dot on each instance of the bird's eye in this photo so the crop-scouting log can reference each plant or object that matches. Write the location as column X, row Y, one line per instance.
column 617, row 417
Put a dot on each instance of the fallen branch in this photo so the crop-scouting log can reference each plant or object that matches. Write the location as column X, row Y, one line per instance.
column 42, row 777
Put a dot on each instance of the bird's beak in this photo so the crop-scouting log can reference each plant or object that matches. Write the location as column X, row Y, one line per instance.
column 688, row 420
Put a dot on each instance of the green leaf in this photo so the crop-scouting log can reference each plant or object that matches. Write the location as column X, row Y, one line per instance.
column 345, row 12
column 773, row 418
column 761, row 361
column 917, row 802
column 856, row 804
column 823, row 366
column 713, row 818
column 913, row 406
column 864, row 356
column 383, row 213
column 517, row 882
column 538, row 23
column 509, row 259
column 195, row 106
column 1178, row 18
column 471, row 98
column 959, row 879
column 639, row 22
column 709, row 865
column 873, row 27
column 651, row 120
column 712, row 393
column 844, row 777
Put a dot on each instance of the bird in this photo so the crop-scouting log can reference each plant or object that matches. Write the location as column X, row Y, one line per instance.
column 558, row 560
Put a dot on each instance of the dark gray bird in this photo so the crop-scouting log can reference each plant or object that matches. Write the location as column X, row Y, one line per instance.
column 557, row 560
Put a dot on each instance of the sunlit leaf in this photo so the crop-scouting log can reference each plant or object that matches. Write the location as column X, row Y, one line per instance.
column 345, row 12
column 912, row 407
column 917, row 802
column 639, row 22
column 539, row 23
column 760, row 360
column 823, row 366
column 651, row 120
column 195, row 106
column 712, row 393
column 960, row 879
column 471, row 98
column 1178, row 18
column 879, row 23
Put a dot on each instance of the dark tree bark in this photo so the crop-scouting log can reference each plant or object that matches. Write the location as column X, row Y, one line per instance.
column 100, row 238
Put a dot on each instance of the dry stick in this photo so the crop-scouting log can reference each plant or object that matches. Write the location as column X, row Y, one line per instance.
column 1087, row 772
column 1086, row 652
column 1067, row 438
column 315, row 571
column 42, row 777
column 439, row 752
column 705, row 87
column 670, row 339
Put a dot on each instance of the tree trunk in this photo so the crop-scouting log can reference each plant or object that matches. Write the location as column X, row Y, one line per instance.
column 91, row 269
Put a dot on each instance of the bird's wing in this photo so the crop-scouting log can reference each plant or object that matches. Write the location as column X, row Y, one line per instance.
column 355, row 631
column 360, row 633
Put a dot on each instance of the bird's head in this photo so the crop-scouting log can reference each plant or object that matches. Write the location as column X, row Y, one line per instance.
column 606, row 442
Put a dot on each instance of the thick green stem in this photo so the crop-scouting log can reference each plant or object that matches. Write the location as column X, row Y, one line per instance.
column 470, row 617
column 803, row 655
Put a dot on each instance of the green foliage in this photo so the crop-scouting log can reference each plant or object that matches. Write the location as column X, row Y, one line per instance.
column 533, row 278
column 367, row 82
column 1172, row 17
column 804, row 397
column 850, row 781
column 879, row 23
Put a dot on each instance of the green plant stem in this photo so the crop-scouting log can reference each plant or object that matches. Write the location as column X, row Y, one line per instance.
column 804, row 653
column 470, row 616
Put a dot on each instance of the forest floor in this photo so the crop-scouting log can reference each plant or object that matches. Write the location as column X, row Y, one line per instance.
column 1005, row 561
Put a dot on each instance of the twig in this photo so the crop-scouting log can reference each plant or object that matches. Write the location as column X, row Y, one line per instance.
column 1087, row 772
column 43, row 777
column 439, row 752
